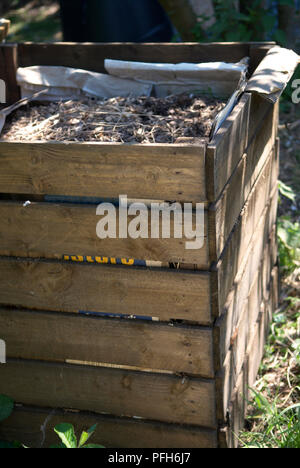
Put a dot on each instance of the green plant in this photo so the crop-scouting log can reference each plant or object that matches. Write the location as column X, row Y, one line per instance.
column 252, row 22
column 288, row 234
column 6, row 408
column 66, row 433
column 276, row 429
column 286, row 191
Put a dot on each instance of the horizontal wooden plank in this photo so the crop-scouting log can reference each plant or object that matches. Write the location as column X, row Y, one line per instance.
column 262, row 144
column 243, row 237
column 245, row 329
column 245, row 314
column 111, row 391
column 52, row 230
column 155, row 172
column 224, row 213
column 60, row 337
column 240, row 395
column 227, row 147
column 240, row 315
column 91, row 56
column 25, row 425
column 230, row 270
column 72, row 287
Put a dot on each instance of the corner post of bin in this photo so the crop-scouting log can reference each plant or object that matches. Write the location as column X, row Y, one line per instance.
column 8, row 72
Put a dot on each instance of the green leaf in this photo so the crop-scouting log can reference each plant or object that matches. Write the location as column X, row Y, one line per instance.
column 67, row 435
column 93, row 446
column 286, row 191
column 58, row 446
column 14, row 444
column 286, row 2
column 6, row 407
column 86, row 435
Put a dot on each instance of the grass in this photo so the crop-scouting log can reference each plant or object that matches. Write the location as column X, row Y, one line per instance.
column 36, row 21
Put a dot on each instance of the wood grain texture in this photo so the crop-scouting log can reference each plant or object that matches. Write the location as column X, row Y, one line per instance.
column 257, row 53
column 247, row 308
column 52, row 230
column 157, row 172
column 8, row 69
column 111, row 391
column 244, row 234
column 224, row 213
column 91, row 56
column 227, row 147
column 60, row 337
column 72, row 287
column 25, row 422
column 230, row 272
column 241, row 313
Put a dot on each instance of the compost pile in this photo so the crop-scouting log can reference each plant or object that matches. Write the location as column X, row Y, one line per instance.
column 173, row 119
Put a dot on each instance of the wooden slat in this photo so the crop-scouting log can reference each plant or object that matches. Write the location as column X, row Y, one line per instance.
column 8, row 69
column 60, row 337
column 246, row 308
column 224, row 213
column 261, row 145
column 157, row 172
column 52, row 230
column 240, row 315
column 245, row 381
column 228, row 274
column 71, row 287
column 240, row 395
column 259, row 109
column 235, row 254
column 91, row 56
column 227, row 147
column 257, row 53
column 25, row 423
column 111, row 391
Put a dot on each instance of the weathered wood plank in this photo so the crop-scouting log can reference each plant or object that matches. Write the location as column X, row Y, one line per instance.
column 257, row 53
column 246, row 310
column 25, row 423
column 91, row 56
column 244, row 235
column 262, row 144
column 52, row 230
column 227, row 147
column 228, row 274
column 232, row 328
column 224, row 213
column 72, row 287
column 111, row 391
column 237, row 407
column 157, row 172
column 8, row 69
column 60, row 337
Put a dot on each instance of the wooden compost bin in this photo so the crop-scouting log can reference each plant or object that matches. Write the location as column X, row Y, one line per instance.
column 179, row 381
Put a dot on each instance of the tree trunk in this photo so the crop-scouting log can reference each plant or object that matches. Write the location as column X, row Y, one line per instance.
column 289, row 24
column 184, row 15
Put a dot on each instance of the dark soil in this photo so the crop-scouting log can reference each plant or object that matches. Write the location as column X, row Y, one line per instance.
column 173, row 119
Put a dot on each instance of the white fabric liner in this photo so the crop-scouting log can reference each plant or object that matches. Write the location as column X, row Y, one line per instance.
column 273, row 73
column 70, row 83
column 220, row 78
column 131, row 79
